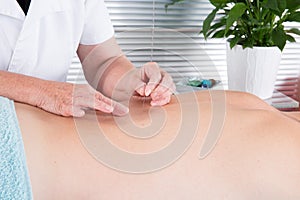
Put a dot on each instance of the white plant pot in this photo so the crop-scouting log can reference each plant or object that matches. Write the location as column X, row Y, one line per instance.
column 253, row 70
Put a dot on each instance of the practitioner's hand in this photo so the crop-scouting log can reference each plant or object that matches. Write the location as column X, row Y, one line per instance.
column 68, row 99
column 157, row 84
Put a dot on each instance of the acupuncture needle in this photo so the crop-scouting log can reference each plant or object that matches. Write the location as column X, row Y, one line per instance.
column 152, row 45
column 144, row 99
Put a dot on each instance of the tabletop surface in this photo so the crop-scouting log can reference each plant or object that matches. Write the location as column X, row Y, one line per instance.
column 281, row 101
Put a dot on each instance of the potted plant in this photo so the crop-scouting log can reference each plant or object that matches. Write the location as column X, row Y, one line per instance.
column 256, row 36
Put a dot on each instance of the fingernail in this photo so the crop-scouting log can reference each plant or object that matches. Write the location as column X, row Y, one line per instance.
column 80, row 113
column 126, row 110
column 147, row 92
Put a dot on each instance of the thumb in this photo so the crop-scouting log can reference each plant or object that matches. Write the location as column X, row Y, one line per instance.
column 152, row 72
column 140, row 89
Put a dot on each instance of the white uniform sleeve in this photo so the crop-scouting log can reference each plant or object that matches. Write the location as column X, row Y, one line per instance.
column 98, row 27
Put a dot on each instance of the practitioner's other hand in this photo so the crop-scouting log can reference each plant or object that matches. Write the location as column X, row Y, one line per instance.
column 157, row 84
column 68, row 99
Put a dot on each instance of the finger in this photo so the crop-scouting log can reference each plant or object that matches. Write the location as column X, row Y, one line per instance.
column 94, row 100
column 162, row 91
column 102, row 106
column 153, row 73
column 101, row 98
column 161, row 102
column 166, row 86
column 118, row 109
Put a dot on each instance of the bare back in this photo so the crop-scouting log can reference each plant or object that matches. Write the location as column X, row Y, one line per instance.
column 256, row 157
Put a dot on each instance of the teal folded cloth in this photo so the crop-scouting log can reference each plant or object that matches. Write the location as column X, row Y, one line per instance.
column 14, row 178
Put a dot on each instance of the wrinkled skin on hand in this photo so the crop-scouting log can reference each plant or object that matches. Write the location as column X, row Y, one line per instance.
column 68, row 99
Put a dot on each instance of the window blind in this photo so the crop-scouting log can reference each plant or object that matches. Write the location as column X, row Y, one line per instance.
column 146, row 32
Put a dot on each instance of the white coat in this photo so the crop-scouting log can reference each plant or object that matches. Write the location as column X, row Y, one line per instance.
column 43, row 43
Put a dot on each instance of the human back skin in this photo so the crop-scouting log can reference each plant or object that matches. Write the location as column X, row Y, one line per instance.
column 256, row 157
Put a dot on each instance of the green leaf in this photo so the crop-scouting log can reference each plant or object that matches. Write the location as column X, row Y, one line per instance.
column 279, row 38
column 281, row 5
column 219, row 34
column 248, row 42
column 235, row 13
column 294, row 30
column 276, row 5
column 234, row 41
column 220, row 23
column 207, row 22
column 290, row 38
column 294, row 17
column 230, row 32
column 218, row 2
column 292, row 4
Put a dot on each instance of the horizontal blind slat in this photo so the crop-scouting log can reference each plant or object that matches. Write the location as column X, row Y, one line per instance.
column 177, row 45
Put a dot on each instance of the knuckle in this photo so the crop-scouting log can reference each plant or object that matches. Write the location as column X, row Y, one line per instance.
column 98, row 96
column 65, row 107
column 60, row 109
column 151, row 66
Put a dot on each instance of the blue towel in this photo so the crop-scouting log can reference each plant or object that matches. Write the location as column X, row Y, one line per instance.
column 14, row 179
